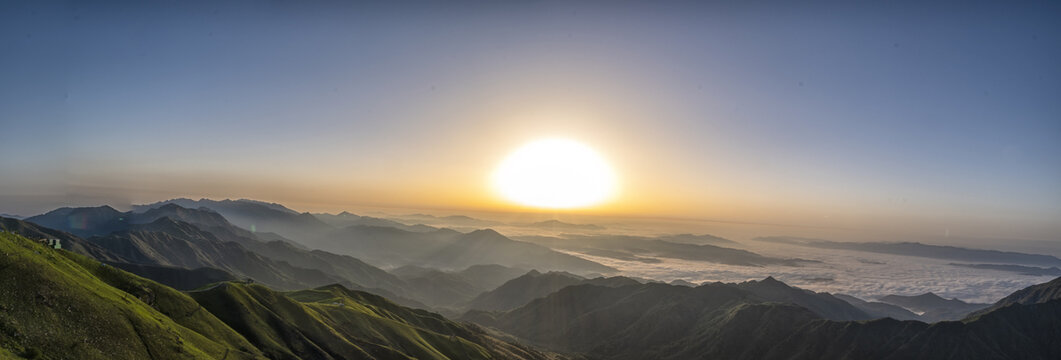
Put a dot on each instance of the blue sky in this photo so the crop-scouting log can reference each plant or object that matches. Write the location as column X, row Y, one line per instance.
column 919, row 114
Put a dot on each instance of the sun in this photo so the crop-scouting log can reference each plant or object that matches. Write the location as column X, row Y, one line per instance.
column 556, row 174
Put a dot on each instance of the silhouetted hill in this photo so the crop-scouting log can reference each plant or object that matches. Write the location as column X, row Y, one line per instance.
column 823, row 304
column 932, row 308
column 437, row 288
column 1036, row 294
column 256, row 216
column 680, row 282
column 490, row 276
column 521, row 290
column 454, row 288
column 533, row 285
column 878, row 309
column 82, row 221
column 723, row 321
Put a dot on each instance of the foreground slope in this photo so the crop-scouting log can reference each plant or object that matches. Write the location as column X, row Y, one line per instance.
column 658, row 321
column 54, row 303
column 333, row 322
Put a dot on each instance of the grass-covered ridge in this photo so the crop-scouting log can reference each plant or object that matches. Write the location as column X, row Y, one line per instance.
column 55, row 304
column 58, row 305
column 336, row 322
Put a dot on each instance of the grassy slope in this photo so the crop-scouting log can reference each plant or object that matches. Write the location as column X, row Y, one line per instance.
column 63, row 305
column 335, row 322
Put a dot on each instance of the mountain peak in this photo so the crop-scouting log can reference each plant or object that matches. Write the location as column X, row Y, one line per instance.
column 771, row 281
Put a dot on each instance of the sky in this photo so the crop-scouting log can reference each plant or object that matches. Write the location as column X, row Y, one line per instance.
column 929, row 118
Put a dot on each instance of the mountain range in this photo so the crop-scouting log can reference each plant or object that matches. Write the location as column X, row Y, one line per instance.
column 924, row 250
column 646, row 249
column 532, row 285
column 385, row 243
column 932, row 308
column 170, row 281
column 169, row 235
column 735, row 321
column 55, row 304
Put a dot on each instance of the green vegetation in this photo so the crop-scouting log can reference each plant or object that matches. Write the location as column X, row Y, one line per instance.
column 54, row 303
column 335, row 322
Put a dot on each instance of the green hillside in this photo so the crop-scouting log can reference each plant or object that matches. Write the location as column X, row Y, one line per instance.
column 333, row 322
column 55, row 304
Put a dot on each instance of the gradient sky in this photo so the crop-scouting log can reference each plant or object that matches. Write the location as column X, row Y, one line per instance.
column 932, row 117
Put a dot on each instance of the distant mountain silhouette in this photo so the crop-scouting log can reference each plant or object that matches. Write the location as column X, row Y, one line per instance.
column 176, row 243
column 1019, row 269
column 680, row 282
column 932, row 307
column 437, row 288
column 878, row 309
column 704, row 239
column 521, row 290
column 345, row 219
column 646, row 249
column 448, row 250
column 452, row 289
column 557, row 225
column 448, row 221
column 490, row 276
column 390, row 246
column 256, row 216
column 83, row 221
column 924, row 250
column 171, row 235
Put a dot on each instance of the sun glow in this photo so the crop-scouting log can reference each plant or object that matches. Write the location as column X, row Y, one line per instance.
column 555, row 173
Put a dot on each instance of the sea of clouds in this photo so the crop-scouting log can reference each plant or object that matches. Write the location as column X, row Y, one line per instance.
column 862, row 274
